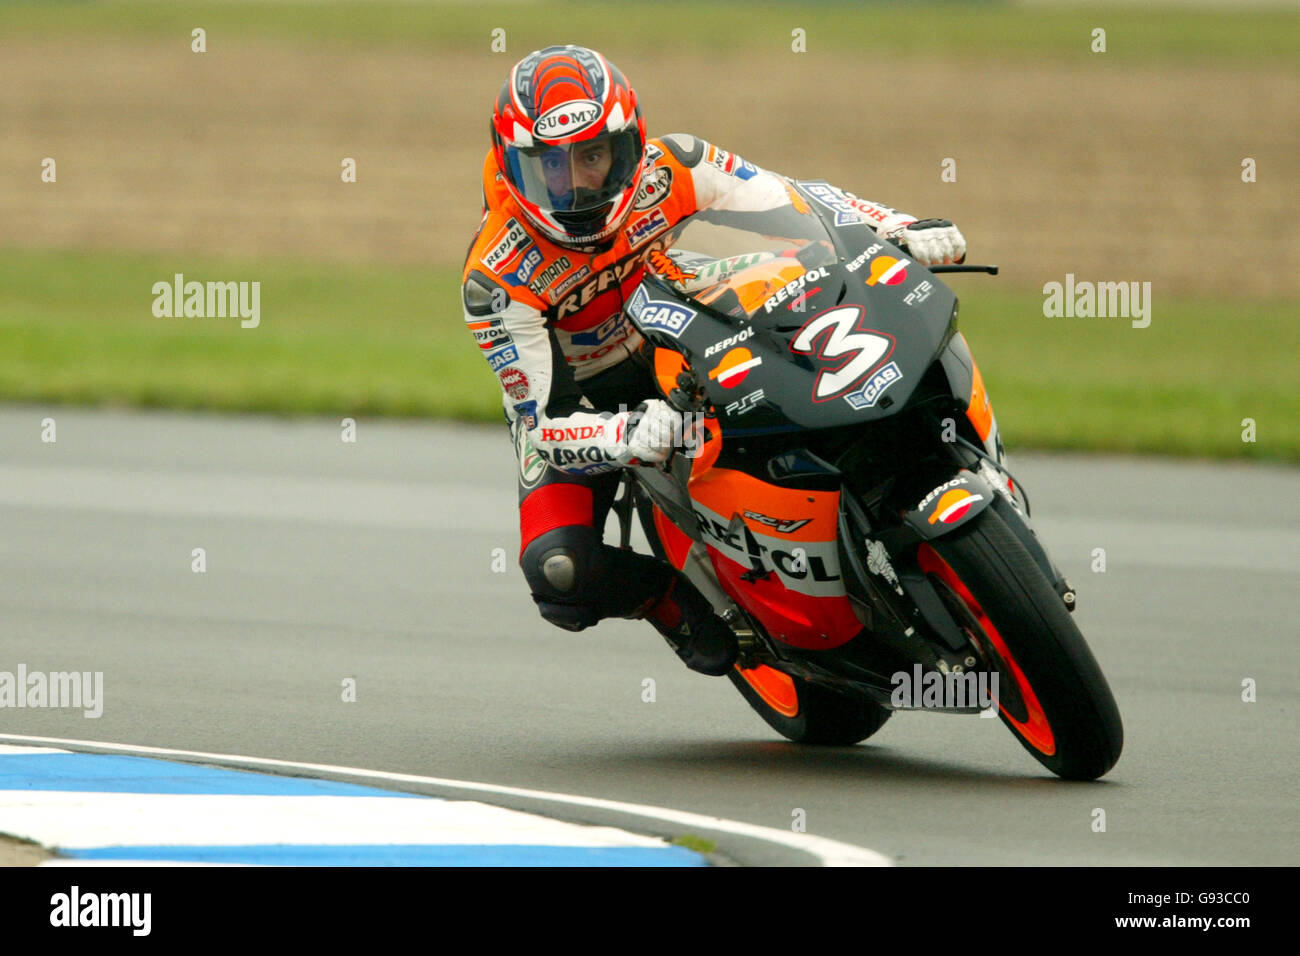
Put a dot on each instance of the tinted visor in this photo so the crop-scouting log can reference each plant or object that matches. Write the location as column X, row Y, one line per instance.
column 577, row 177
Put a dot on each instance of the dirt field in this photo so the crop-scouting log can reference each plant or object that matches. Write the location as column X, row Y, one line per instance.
column 21, row 853
column 1107, row 170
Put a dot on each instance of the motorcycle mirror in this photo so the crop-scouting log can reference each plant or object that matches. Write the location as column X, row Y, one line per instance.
column 991, row 270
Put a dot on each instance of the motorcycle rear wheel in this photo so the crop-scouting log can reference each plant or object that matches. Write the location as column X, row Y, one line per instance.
column 1053, row 696
column 805, row 712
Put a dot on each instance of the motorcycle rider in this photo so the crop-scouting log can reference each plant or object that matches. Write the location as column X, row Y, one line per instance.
column 573, row 195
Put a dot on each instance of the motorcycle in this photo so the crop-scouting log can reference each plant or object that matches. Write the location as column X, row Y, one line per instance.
column 847, row 506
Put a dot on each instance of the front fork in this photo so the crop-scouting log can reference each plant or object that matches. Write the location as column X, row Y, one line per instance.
column 988, row 461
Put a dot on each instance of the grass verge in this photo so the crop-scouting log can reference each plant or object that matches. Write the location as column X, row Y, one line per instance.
column 78, row 327
column 1225, row 34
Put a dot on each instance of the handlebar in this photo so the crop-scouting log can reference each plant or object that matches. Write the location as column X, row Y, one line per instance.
column 991, row 270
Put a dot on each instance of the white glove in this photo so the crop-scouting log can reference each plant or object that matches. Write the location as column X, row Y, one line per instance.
column 931, row 242
column 653, row 437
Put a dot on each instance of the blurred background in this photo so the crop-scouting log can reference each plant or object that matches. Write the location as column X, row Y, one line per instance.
column 1119, row 165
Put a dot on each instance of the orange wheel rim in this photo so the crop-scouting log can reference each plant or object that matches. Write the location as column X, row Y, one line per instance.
column 776, row 689
column 1036, row 729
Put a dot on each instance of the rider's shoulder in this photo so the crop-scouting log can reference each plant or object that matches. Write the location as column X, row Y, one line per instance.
column 686, row 149
column 500, row 261
column 483, row 293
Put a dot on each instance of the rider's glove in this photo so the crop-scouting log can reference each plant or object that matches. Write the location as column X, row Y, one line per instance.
column 931, row 242
column 654, row 430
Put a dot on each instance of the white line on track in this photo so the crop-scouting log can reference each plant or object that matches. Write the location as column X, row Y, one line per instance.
column 829, row 852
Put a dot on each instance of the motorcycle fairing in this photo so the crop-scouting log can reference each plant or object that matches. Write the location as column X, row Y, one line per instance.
column 950, row 505
column 776, row 554
column 968, row 388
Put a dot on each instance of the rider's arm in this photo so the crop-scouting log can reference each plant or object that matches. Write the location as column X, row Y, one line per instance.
column 538, row 385
column 728, row 187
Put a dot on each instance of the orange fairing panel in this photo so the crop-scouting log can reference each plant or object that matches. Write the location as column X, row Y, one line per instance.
column 756, row 284
column 979, row 411
column 780, row 560
column 677, row 544
column 668, row 365
column 807, row 621
column 776, row 689
column 792, row 514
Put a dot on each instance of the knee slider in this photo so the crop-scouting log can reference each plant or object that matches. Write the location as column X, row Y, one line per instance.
column 560, row 569
column 558, row 564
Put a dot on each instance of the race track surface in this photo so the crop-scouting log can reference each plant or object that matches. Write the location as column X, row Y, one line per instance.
column 374, row 561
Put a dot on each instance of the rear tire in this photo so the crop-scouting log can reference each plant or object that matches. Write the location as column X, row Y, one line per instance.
column 1053, row 696
column 823, row 716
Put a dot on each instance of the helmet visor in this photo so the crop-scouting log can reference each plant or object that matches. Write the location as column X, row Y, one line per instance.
column 576, row 177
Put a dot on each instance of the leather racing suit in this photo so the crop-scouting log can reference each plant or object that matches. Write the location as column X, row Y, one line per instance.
column 550, row 322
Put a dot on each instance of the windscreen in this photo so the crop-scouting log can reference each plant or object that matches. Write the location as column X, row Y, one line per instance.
column 734, row 261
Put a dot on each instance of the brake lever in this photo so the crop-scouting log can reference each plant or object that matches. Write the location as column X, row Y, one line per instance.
column 688, row 396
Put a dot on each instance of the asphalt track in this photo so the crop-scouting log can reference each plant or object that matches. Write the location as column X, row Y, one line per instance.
column 374, row 561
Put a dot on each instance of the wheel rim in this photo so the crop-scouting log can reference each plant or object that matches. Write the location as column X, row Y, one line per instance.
column 1033, row 727
column 775, row 688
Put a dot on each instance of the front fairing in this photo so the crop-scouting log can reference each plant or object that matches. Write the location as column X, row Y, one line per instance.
column 790, row 320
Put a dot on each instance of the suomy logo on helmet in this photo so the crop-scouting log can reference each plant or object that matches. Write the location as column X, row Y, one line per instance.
column 566, row 119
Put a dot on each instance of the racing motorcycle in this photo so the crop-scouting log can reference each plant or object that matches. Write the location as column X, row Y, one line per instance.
column 847, row 505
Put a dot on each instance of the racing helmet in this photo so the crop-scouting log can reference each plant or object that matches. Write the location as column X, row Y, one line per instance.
column 570, row 143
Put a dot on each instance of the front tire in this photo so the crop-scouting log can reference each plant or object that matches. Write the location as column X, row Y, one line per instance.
column 1053, row 696
column 805, row 712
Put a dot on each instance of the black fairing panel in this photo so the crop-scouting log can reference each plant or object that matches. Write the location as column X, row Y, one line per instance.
column 847, row 313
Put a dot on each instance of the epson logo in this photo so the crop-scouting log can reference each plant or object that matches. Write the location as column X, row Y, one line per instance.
column 566, row 119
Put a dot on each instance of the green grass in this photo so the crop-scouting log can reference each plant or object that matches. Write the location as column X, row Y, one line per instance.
column 1180, row 386
column 696, row 843
column 974, row 29
column 78, row 328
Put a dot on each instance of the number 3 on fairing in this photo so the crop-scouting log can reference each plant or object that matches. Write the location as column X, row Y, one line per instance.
column 865, row 348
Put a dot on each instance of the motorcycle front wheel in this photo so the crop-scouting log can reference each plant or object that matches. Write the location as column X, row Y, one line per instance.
column 1052, row 694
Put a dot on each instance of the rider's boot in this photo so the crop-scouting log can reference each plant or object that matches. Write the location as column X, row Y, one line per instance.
column 694, row 631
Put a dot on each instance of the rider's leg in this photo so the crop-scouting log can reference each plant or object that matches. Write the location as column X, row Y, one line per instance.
column 577, row 580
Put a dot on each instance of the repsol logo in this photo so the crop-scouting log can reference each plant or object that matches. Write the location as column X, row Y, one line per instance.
column 862, row 258
column 592, row 454
column 573, row 434
column 729, row 342
column 940, row 490
column 790, row 288
column 795, row 563
column 613, row 275
column 509, row 239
